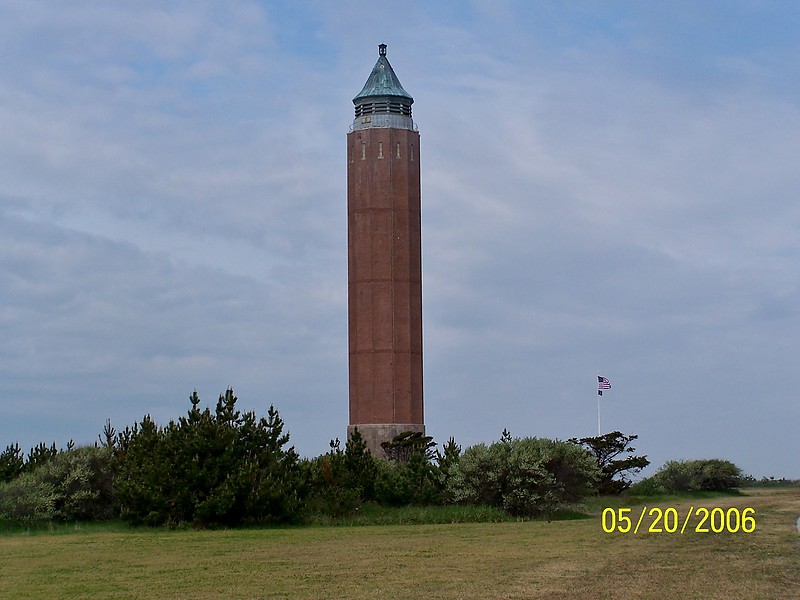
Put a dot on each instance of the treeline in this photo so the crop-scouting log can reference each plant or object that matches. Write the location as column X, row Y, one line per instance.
column 228, row 468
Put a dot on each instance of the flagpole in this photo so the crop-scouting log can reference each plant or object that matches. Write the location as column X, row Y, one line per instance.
column 598, row 406
column 598, row 413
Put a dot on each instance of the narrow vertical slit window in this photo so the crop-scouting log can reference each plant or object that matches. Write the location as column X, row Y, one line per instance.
column 411, row 152
column 380, row 149
column 398, row 149
column 363, row 151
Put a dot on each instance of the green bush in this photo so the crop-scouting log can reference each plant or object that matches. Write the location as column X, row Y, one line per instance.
column 649, row 486
column 72, row 485
column 27, row 500
column 481, row 475
column 523, row 476
column 676, row 476
column 394, row 484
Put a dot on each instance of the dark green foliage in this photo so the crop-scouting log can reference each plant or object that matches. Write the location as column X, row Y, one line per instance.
column 448, row 457
column 446, row 461
column 341, row 481
column 220, row 468
column 139, row 464
column 710, row 475
column 525, row 476
column 409, row 476
column 41, row 454
column 407, row 483
column 12, row 462
column 109, row 437
column 393, row 486
column 72, row 485
column 360, row 466
column 330, row 493
column 614, row 471
column 505, row 436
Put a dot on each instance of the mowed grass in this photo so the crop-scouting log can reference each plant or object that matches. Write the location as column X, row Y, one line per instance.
column 559, row 559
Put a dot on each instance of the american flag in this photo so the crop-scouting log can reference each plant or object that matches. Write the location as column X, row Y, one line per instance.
column 602, row 384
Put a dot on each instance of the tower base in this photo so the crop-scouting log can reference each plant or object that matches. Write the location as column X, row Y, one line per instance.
column 375, row 434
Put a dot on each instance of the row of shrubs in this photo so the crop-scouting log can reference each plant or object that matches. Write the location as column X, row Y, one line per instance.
column 228, row 468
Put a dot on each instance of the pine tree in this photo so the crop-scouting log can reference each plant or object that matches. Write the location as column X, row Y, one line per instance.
column 12, row 463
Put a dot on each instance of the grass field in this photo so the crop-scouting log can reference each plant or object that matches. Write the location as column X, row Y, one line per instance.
column 556, row 560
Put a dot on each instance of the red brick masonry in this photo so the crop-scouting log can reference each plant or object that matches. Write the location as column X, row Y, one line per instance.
column 384, row 277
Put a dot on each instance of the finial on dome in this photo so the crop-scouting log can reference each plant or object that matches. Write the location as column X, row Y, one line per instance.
column 381, row 49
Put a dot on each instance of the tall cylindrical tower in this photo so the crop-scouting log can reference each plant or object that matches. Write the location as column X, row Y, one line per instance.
column 384, row 261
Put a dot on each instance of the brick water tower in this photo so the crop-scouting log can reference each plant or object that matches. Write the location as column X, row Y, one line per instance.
column 384, row 273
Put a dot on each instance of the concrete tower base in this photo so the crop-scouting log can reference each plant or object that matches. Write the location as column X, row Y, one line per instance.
column 375, row 434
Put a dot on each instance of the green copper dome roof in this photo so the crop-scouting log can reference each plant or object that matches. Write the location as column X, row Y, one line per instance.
column 382, row 81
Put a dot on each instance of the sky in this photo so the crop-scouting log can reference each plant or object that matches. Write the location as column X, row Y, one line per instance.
column 607, row 187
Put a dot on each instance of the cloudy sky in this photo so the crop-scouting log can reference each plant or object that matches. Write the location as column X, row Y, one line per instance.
column 606, row 186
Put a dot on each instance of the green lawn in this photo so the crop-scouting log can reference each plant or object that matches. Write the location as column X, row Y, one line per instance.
column 560, row 559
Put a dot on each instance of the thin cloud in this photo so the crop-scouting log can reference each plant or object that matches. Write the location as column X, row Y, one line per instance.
column 173, row 214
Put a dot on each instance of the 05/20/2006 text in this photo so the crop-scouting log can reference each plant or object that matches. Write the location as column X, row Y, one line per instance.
column 668, row 520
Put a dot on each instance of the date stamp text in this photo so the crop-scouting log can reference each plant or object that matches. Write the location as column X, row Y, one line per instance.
column 669, row 520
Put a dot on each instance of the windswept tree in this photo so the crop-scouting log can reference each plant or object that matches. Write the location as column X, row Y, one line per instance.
column 614, row 455
column 402, row 447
